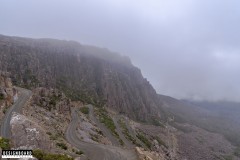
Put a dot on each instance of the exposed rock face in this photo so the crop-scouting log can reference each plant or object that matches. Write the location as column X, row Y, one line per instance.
column 163, row 140
column 50, row 108
column 85, row 73
column 8, row 94
column 27, row 134
column 52, row 100
column 147, row 155
column 7, row 91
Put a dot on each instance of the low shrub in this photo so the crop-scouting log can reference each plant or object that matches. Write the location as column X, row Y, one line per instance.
column 142, row 138
column 109, row 123
column 4, row 143
column 84, row 110
column 41, row 155
column 161, row 142
column 1, row 96
column 62, row 145
column 79, row 152
column 126, row 132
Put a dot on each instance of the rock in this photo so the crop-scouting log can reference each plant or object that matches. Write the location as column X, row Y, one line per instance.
column 156, row 144
column 9, row 91
column 8, row 83
column 27, row 134
column 148, row 155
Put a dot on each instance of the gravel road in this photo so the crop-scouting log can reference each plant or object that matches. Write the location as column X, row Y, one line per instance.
column 16, row 107
column 96, row 151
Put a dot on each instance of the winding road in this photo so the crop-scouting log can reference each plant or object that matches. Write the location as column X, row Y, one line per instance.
column 93, row 151
column 103, row 128
column 16, row 107
column 96, row 151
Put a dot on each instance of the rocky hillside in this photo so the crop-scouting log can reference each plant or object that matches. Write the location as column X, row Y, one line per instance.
column 50, row 121
column 89, row 99
column 7, row 93
column 205, row 132
column 44, row 120
column 92, row 75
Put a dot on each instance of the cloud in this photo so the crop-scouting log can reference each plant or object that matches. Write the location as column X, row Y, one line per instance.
column 186, row 48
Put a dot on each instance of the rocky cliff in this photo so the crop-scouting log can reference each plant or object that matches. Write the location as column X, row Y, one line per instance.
column 90, row 74
column 61, row 71
column 7, row 92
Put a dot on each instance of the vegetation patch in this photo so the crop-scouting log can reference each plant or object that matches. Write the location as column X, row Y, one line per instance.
column 49, row 133
column 126, row 132
column 99, row 131
column 54, row 99
column 161, row 142
column 54, row 137
column 79, row 152
column 94, row 137
column 29, row 79
column 144, row 139
column 84, row 94
column 62, row 145
column 84, row 110
column 107, row 120
column 1, row 96
column 156, row 122
column 41, row 155
column 120, row 141
column 109, row 123
column 73, row 94
column 4, row 143
column 5, row 109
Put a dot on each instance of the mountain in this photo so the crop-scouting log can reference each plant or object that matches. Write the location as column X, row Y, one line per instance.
column 90, row 102
column 90, row 74
column 225, row 109
column 223, row 117
column 219, row 117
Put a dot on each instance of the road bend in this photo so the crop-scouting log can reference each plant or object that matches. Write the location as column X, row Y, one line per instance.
column 16, row 107
column 96, row 151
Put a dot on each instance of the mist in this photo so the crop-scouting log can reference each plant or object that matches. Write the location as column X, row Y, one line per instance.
column 187, row 49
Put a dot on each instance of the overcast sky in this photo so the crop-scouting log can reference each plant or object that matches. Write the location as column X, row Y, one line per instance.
column 186, row 48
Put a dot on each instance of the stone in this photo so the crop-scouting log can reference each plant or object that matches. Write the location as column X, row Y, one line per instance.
column 26, row 134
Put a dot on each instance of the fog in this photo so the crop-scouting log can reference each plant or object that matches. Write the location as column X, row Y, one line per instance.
column 186, row 48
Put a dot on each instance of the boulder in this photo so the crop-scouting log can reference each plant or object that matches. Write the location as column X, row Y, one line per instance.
column 26, row 134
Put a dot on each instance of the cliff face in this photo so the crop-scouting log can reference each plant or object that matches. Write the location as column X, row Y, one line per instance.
column 86, row 73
